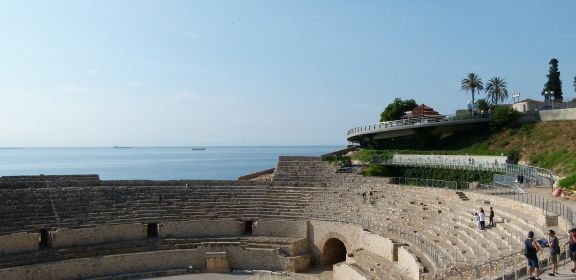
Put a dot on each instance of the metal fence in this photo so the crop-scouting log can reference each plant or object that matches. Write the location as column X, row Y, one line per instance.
column 531, row 174
column 424, row 182
column 548, row 206
column 280, row 275
column 511, row 267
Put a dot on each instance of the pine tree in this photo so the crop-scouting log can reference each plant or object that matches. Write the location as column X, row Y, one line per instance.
column 554, row 83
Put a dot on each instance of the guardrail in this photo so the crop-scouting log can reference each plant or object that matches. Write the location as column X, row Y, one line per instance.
column 280, row 275
column 547, row 205
column 415, row 121
column 424, row 182
column 437, row 255
column 510, row 267
column 531, row 174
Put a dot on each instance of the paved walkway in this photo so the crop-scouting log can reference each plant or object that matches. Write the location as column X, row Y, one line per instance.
column 564, row 269
column 563, row 273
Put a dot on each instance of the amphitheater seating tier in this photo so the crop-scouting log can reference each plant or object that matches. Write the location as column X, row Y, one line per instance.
column 302, row 188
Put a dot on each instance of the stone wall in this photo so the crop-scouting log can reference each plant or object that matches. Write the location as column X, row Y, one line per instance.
column 148, row 261
column 200, row 228
column 344, row 271
column 378, row 245
column 19, row 243
column 65, row 237
column 409, row 264
column 558, row 115
column 353, row 237
column 281, row 228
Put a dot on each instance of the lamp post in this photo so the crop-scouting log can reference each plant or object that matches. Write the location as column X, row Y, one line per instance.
column 549, row 94
column 516, row 97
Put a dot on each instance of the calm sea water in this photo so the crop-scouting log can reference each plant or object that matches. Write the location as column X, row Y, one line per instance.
column 149, row 163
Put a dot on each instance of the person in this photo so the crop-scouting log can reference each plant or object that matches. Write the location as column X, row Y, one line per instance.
column 477, row 220
column 572, row 248
column 554, row 251
column 491, row 217
column 364, row 196
column 482, row 219
column 531, row 249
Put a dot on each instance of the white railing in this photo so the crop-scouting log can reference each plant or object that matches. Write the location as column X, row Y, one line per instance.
column 414, row 122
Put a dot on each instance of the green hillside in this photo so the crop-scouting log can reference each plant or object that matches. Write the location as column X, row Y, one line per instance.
column 550, row 145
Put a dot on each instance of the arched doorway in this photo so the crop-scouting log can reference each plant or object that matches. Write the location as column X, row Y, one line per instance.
column 333, row 252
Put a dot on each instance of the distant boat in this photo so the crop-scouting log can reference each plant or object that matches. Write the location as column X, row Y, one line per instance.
column 198, row 148
column 121, row 147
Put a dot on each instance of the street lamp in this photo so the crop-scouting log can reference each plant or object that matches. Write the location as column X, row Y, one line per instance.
column 549, row 94
column 515, row 97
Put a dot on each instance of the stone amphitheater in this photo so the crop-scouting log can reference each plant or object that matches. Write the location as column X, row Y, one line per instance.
column 308, row 214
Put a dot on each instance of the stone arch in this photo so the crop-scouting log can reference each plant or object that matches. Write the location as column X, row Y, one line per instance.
column 334, row 248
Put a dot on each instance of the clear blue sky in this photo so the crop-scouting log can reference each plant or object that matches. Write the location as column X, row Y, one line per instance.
column 142, row 73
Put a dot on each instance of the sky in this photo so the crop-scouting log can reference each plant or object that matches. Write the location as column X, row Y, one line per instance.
column 239, row 72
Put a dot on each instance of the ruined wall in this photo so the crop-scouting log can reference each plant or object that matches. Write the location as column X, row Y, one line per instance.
column 65, row 237
column 199, row 228
column 18, row 243
column 378, row 245
column 408, row 262
column 344, row 271
column 281, row 228
column 147, row 261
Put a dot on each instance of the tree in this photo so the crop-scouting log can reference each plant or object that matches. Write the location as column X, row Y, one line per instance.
column 574, row 83
column 472, row 83
column 396, row 109
column 504, row 115
column 483, row 105
column 554, row 83
column 496, row 90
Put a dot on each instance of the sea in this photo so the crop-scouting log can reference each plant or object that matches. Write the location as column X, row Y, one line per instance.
column 150, row 163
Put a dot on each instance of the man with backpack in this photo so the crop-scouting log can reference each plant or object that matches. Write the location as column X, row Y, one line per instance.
column 531, row 248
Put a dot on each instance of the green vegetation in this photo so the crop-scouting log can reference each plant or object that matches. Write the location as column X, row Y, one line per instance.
column 463, row 177
column 554, row 84
column 483, row 105
column 550, row 145
column 472, row 83
column 368, row 155
column 339, row 160
column 568, row 182
column 376, row 170
column 496, row 90
column 397, row 109
column 504, row 115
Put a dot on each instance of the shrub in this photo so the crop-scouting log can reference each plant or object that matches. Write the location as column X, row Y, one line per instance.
column 367, row 155
column 504, row 115
column 376, row 170
column 338, row 160
column 568, row 181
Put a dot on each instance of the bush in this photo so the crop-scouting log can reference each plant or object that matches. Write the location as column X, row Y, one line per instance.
column 339, row 160
column 367, row 155
column 376, row 170
column 504, row 115
column 568, row 181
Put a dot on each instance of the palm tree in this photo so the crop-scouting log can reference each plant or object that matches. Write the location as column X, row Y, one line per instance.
column 496, row 90
column 472, row 83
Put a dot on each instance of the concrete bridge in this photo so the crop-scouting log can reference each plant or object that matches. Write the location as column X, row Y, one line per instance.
column 409, row 126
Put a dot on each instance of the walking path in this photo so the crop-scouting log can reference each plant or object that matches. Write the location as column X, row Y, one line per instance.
column 564, row 269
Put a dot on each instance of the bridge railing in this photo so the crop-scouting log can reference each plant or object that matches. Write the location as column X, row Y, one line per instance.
column 414, row 121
